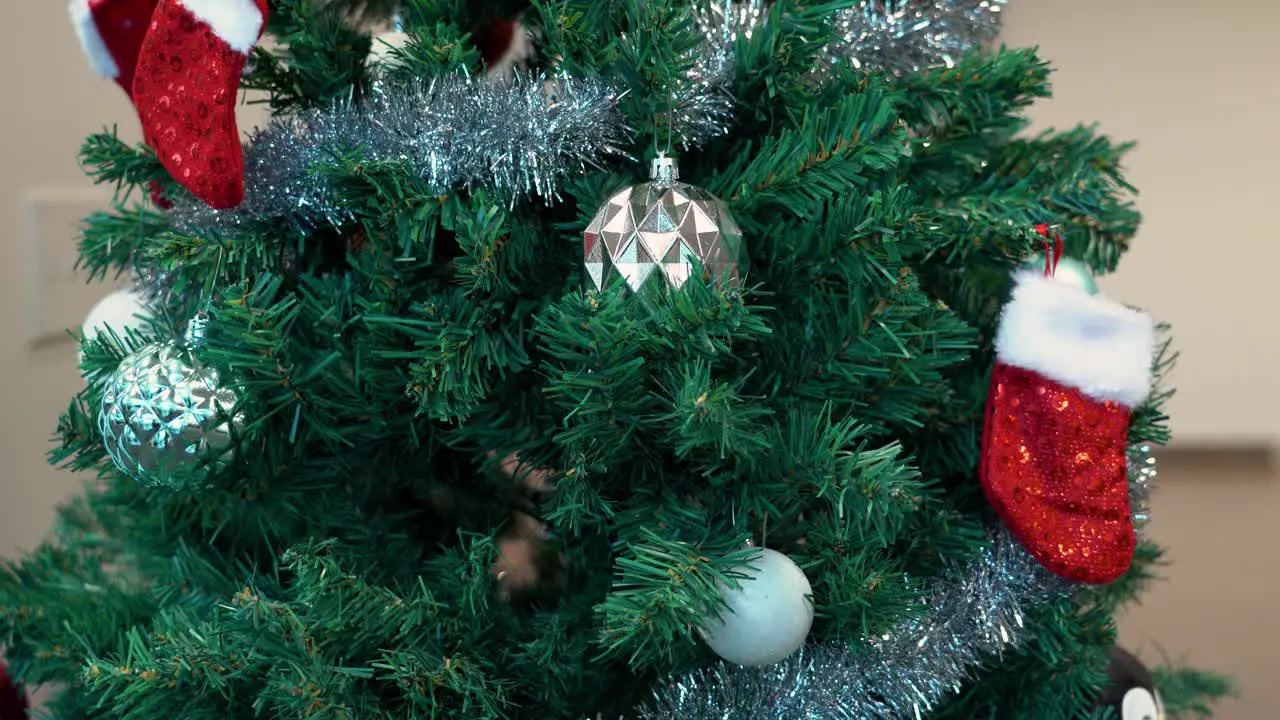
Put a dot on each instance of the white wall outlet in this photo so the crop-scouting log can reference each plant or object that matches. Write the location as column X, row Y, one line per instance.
column 58, row 295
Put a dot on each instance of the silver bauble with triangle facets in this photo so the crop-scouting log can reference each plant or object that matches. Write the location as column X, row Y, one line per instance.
column 657, row 232
column 164, row 415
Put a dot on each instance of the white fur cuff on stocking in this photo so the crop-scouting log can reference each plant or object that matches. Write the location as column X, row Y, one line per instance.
column 1079, row 340
column 91, row 40
column 237, row 22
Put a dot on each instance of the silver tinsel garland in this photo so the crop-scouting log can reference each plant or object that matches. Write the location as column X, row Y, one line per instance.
column 965, row 619
column 703, row 108
column 513, row 138
column 903, row 36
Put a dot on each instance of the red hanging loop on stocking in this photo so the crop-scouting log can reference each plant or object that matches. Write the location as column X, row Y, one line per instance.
column 1052, row 249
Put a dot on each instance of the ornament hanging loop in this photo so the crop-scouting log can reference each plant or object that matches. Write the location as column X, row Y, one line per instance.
column 750, row 542
column 671, row 120
column 211, row 287
column 1052, row 249
column 197, row 326
column 664, row 170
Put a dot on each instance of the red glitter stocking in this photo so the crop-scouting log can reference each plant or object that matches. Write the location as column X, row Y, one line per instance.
column 185, row 87
column 1070, row 367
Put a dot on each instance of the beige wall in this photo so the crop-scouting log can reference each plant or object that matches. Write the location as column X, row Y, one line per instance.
column 50, row 104
column 1191, row 81
column 1215, row 513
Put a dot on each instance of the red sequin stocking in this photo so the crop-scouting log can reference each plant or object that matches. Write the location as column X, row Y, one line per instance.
column 185, row 89
column 1070, row 367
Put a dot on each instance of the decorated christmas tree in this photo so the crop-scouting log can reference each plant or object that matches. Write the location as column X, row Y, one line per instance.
column 657, row 359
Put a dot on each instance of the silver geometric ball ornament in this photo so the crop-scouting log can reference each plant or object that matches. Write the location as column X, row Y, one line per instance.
column 163, row 413
column 656, row 233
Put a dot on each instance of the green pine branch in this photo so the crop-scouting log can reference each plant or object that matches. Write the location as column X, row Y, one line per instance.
column 664, row 585
column 1190, row 694
column 319, row 56
column 109, row 160
column 833, row 151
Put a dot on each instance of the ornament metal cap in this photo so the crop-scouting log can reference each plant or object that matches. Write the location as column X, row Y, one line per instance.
column 196, row 327
column 664, row 170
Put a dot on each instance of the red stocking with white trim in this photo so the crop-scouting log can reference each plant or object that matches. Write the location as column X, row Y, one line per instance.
column 181, row 62
column 1070, row 367
column 185, row 88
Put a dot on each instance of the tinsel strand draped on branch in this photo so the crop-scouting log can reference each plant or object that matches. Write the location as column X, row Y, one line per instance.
column 1142, row 479
column 905, row 36
column 896, row 37
column 966, row 618
column 702, row 108
column 514, row 138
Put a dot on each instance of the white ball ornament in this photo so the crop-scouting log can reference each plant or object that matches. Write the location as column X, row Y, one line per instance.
column 121, row 311
column 769, row 613
column 1141, row 704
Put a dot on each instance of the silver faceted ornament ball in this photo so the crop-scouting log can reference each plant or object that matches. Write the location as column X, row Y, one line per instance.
column 654, row 234
column 768, row 615
column 163, row 413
